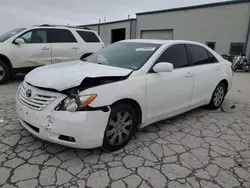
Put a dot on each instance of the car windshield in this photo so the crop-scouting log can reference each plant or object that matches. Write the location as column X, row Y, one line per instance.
column 129, row 55
column 9, row 34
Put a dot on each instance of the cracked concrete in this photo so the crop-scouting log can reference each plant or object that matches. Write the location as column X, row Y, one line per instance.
column 201, row 148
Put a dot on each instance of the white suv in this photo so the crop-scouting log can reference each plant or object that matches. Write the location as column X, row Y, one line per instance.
column 24, row 49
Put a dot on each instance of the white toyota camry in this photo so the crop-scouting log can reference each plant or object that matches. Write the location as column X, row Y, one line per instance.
column 128, row 85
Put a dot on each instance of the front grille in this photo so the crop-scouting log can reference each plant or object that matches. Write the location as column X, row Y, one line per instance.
column 37, row 102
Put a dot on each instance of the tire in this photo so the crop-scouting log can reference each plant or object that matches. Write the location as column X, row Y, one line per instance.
column 218, row 96
column 4, row 72
column 117, row 129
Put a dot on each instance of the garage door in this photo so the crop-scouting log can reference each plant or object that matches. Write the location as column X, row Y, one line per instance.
column 157, row 34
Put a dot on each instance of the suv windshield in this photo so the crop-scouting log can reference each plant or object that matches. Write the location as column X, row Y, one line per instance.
column 9, row 34
column 129, row 55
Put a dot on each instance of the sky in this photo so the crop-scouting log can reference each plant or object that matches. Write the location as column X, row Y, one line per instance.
column 24, row 13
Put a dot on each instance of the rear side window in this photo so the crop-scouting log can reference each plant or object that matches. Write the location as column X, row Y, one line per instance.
column 177, row 55
column 198, row 54
column 212, row 59
column 88, row 36
column 60, row 36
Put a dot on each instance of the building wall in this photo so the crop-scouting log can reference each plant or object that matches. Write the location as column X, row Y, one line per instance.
column 133, row 29
column 221, row 24
column 93, row 27
column 248, row 42
column 106, row 28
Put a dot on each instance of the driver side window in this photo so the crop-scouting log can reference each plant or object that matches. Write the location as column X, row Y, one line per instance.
column 35, row 36
column 27, row 37
column 176, row 54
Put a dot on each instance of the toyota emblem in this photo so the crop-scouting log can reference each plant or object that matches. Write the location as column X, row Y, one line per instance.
column 28, row 93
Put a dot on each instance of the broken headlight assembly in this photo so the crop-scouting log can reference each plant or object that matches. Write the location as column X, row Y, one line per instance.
column 75, row 102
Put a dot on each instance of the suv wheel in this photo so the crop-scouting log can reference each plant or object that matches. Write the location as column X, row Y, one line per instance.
column 121, row 127
column 4, row 72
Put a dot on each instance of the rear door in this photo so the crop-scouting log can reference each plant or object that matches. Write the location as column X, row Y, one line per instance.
column 169, row 92
column 206, row 70
column 64, row 45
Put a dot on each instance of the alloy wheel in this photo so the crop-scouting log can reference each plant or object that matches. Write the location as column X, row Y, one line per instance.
column 2, row 73
column 119, row 128
column 219, row 95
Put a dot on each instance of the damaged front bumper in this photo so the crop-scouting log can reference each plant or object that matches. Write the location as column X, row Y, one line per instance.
column 82, row 129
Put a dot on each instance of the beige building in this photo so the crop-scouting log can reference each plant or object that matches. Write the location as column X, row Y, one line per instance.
column 224, row 26
column 111, row 32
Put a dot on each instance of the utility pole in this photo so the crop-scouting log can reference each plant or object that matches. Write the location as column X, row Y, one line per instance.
column 99, row 27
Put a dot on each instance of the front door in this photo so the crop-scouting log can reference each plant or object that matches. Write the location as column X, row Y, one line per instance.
column 36, row 51
column 171, row 91
column 64, row 45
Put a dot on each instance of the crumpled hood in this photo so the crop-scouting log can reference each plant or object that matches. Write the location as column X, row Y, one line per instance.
column 68, row 75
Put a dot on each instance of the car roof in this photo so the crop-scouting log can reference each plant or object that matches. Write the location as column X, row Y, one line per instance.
column 45, row 26
column 154, row 41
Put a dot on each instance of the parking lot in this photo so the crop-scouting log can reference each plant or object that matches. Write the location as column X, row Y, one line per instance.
column 201, row 148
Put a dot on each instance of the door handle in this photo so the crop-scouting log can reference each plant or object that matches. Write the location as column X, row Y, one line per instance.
column 189, row 75
column 74, row 47
column 217, row 68
column 45, row 48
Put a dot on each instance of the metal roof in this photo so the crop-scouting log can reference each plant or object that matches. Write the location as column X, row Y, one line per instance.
column 196, row 6
column 104, row 23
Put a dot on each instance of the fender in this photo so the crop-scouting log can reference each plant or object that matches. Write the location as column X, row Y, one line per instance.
column 110, row 93
column 7, row 61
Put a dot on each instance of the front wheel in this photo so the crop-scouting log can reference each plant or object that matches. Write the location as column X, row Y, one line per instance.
column 4, row 72
column 121, row 127
column 218, row 96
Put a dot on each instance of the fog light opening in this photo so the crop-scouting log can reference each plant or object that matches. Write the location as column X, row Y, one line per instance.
column 67, row 138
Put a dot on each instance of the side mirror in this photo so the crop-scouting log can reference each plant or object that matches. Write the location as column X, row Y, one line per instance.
column 19, row 41
column 163, row 67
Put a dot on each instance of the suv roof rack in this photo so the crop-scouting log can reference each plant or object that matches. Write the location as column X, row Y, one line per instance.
column 69, row 26
column 45, row 25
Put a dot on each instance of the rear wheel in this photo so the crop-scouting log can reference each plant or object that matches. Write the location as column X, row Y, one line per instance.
column 218, row 96
column 4, row 72
column 120, row 128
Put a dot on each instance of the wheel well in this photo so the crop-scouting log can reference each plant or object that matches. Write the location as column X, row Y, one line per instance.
column 85, row 55
column 225, row 82
column 135, row 105
column 7, row 61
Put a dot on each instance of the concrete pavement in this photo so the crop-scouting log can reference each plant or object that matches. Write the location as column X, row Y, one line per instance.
column 201, row 148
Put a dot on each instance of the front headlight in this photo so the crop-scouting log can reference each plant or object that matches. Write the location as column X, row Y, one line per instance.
column 76, row 103
column 70, row 105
